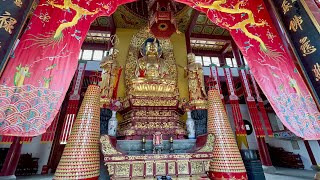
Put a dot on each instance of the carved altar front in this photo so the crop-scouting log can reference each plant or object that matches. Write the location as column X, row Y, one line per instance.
column 152, row 101
column 123, row 166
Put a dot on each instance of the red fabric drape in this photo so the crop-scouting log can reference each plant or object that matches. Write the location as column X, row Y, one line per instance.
column 9, row 140
column 48, row 136
column 6, row 139
column 215, row 75
column 234, row 102
column 261, row 106
column 252, row 29
column 252, row 106
column 36, row 80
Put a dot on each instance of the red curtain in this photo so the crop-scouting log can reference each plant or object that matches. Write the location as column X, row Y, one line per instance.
column 36, row 80
column 252, row 29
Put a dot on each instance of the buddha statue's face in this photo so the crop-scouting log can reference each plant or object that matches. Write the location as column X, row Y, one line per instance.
column 152, row 48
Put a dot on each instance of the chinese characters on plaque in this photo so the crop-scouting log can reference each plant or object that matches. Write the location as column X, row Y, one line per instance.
column 13, row 14
column 305, row 37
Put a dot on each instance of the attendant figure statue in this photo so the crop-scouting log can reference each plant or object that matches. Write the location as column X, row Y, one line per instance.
column 110, row 75
column 197, row 92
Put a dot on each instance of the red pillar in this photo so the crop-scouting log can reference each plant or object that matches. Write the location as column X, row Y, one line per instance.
column 12, row 159
column 236, row 54
column 263, row 151
column 188, row 45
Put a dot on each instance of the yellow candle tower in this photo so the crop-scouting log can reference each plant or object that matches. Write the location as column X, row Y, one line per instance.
column 80, row 158
column 226, row 162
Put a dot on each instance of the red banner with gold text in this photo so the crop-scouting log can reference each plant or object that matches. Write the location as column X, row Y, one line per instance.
column 35, row 81
column 253, row 31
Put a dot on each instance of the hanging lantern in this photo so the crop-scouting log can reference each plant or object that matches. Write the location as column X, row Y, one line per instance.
column 162, row 23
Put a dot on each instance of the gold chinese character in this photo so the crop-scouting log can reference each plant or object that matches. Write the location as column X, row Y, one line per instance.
column 316, row 71
column 286, row 6
column 7, row 22
column 18, row 3
column 295, row 23
column 305, row 47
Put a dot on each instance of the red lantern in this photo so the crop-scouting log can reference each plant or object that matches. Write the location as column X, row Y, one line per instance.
column 162, row 23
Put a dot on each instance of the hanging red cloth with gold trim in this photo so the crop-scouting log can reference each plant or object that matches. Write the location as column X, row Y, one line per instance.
column 253, row 31
column 36, row 80
column 261, row 107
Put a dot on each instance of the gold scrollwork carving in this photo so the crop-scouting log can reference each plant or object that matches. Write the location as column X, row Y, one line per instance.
column 149, row 168
column 110, row 168
column 183, row 167
column 153, row 125
column 106, row 146
column 160, row 168
column 208, row 147
column 154, row 102
column 197, row 167
column 122, row 170
column 153, row 113
column 137, row 169
column 171, row 168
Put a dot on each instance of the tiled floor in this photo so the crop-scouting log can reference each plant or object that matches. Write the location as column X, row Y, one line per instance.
column 281, row 174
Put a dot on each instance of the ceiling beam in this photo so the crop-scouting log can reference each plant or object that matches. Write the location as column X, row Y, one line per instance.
column 210, row 53
column 207, row 37
column 111, row 28
column 100, row 29
column 225, row 48
column 94, row 46
column 193, row 21
column 112, row 25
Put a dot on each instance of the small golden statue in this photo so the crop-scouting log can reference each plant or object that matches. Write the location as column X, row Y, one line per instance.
column 110, row 75
column 197, row 92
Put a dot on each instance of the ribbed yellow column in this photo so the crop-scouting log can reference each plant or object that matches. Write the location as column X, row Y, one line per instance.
column 226, row 162
column 80, row 158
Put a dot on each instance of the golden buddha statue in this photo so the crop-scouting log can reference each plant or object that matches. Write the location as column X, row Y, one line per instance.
column 151, row 71
column 149, row 65
column 152, row 97
column 197, row 92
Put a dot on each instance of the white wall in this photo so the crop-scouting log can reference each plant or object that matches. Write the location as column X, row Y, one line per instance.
column 315, row 147
column 245, row 115
column 285, row 144
column 38, row 150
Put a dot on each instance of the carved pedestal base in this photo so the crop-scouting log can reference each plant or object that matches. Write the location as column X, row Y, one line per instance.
column 145, row 116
